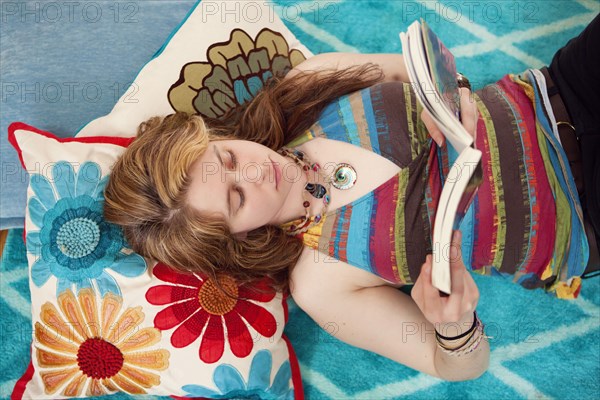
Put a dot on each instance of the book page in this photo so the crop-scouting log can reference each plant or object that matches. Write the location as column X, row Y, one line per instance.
column 442, row 69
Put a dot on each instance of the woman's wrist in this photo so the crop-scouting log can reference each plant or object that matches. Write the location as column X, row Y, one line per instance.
column 467, row 365
column 470, row 340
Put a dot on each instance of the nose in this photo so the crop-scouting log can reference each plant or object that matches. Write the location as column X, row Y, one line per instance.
column 251, row 174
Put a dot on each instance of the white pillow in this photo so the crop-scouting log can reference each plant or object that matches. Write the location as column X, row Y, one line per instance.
column 157, row 331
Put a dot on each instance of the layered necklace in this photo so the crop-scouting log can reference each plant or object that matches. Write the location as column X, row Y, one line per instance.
column 343, row 178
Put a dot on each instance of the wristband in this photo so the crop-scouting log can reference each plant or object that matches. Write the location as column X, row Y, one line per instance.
column 463, row 334
column 471, row 347
column 468, row 340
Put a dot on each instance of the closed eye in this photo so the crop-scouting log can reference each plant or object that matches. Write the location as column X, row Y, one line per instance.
column 242, row 198
column 240, row 191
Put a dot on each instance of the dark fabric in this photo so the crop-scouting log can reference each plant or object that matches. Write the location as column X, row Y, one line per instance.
column 575, row 69
column 406, row 289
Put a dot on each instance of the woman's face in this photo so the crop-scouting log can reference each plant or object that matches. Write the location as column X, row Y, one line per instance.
column 246, row 182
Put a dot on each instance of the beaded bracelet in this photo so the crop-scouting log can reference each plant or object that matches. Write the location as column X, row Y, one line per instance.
column 471, row 347
column 468, row 349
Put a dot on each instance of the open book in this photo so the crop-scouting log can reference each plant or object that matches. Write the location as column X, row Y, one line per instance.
column 432, row 73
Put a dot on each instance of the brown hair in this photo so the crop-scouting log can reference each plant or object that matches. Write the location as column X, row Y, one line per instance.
column 147, row 188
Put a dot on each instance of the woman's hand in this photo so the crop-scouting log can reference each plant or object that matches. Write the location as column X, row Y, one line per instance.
column 460, row 304
column 468, row 115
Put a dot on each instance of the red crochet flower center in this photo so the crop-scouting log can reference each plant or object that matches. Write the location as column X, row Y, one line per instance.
column 99, row 359
column 213, row 300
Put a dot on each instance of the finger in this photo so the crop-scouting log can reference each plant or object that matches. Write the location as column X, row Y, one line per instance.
column 457, row 271
column 468, row 111
column 430, row 292
column 471, row 290
column 417, row 290
column 432, row 128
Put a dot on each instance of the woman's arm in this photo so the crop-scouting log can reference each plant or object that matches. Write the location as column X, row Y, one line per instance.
column 380, row 319
column 454, row 310
column 392, row 65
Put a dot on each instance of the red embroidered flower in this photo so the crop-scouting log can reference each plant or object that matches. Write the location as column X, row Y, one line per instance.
column 195, row 302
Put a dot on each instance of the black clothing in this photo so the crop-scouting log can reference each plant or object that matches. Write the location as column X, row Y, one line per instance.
column 575, row 69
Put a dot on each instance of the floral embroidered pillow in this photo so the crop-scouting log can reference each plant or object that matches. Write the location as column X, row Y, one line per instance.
column 106, row 320
column 218, row 58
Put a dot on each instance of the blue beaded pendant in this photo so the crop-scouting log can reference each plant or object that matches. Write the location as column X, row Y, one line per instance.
column 316, row 189
column 344, row 176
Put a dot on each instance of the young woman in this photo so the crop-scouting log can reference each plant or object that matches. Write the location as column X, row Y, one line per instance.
column 328, row 180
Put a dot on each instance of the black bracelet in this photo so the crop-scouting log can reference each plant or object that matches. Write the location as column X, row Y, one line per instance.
column 463, row 334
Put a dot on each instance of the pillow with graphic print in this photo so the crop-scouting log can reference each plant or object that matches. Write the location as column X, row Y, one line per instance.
column 219, row 58
column 106, row 320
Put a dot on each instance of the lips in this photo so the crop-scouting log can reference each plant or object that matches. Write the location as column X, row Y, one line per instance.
column 277, row 174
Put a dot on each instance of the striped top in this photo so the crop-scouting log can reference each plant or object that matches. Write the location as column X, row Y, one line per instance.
column 525, row 222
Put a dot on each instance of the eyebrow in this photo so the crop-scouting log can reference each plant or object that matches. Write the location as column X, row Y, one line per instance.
column 223, row 165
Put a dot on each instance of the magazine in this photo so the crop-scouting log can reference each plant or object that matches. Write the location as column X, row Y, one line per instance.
column 432, row 72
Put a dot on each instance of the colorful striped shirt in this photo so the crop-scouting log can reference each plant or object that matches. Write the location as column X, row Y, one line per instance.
column 525, row 223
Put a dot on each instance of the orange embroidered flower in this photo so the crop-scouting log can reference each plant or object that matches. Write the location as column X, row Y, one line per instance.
column 82, row 348
column 194, row 302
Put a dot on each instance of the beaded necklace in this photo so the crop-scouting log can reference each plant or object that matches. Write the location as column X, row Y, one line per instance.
column 343, row 178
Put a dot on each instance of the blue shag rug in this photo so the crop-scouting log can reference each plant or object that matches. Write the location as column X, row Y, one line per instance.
column 543, row 348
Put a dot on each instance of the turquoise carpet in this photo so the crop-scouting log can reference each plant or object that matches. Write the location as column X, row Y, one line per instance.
column 543, row 348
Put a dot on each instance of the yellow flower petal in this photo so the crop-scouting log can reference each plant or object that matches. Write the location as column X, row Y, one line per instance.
column 74, row 387
column 142, row 378
column 87, row 301
column 128, row 321
column 296, row 57
column 182, row 94
column 53, row 360
column 53, row 340
column 126, row 385
column 52, row 318
column 154, row 359
column 274, row 42
column 110, row 385
column 69, row 306
column 194, row 74
column 239, row 43
column 143, row 338
column 54, row 379
column 95, row 389
column 111, row 305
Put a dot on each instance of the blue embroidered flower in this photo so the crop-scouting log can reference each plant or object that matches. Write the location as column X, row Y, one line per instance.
column 75, row 244
column 231, row 384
